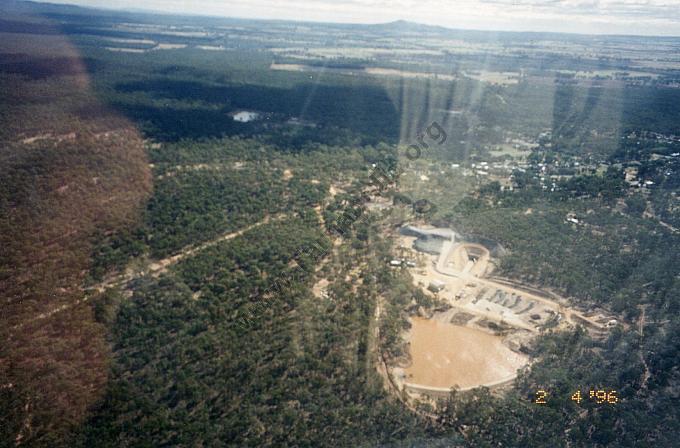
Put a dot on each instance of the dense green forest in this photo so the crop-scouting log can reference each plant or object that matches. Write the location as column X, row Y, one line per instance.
column 187, row 374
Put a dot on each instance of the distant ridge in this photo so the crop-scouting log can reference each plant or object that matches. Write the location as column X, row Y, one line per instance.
column 405, row 26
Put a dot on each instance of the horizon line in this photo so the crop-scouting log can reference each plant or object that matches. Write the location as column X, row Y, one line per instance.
column 151, row 11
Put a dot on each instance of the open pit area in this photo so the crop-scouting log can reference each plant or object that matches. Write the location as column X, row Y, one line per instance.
column 477, row 334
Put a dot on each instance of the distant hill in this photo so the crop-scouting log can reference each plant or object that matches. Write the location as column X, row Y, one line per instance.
column 405, row 26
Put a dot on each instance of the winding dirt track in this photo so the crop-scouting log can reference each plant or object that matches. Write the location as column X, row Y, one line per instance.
column 155, row 269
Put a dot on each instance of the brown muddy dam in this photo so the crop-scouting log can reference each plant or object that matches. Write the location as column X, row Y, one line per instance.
column 445, row 355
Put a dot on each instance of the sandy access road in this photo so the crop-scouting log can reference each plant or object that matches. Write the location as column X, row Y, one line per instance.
column 161, row 266
column 155, row 269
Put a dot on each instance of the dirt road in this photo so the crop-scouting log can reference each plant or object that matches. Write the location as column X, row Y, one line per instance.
column 155, row 269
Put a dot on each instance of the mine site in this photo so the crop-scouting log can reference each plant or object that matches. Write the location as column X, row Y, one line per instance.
column 477, row 334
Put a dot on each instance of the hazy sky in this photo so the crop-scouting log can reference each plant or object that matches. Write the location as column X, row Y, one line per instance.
column 653, row 17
